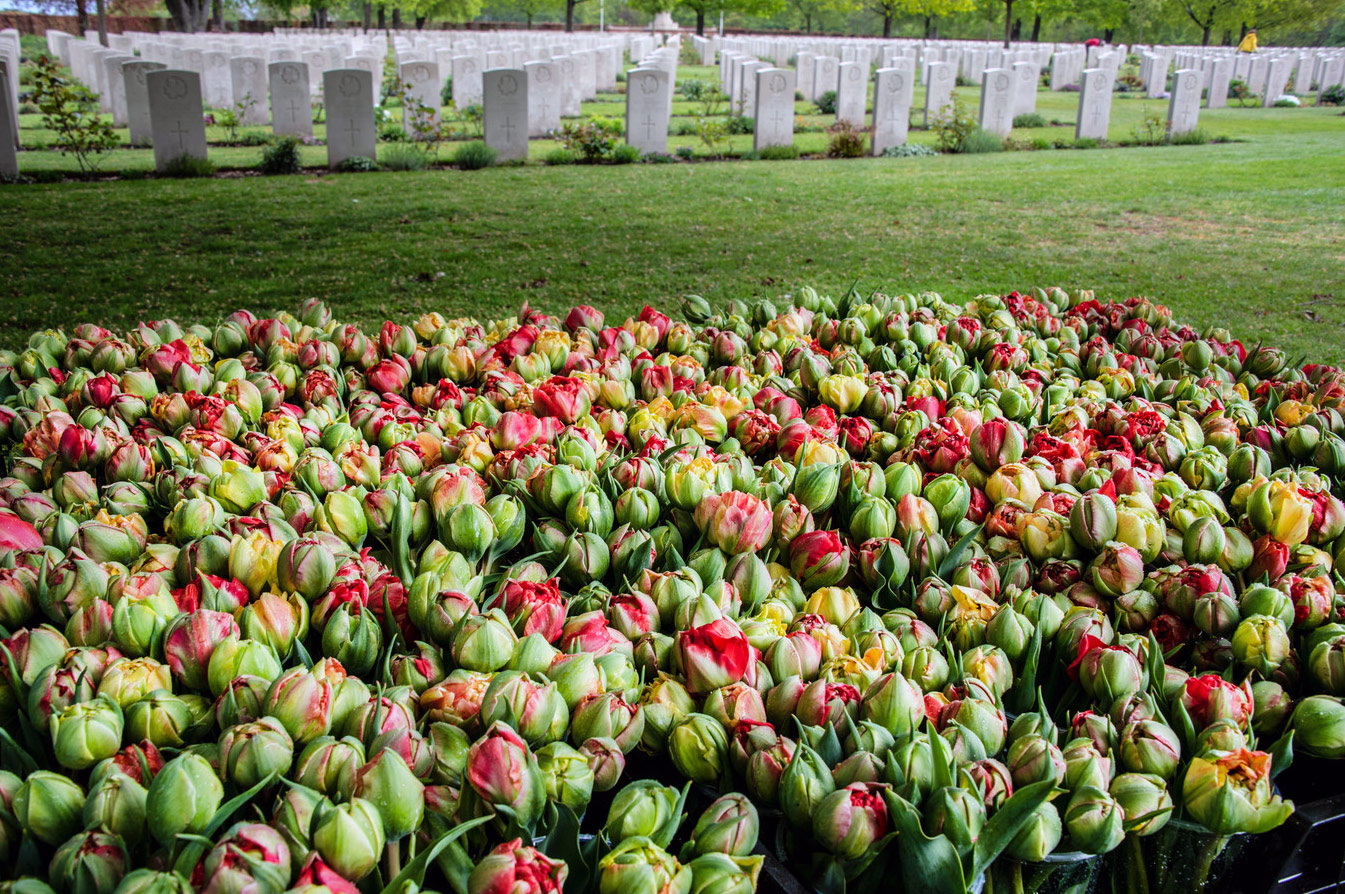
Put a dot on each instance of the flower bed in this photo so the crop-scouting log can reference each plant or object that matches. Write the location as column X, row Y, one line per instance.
column 1031, row 593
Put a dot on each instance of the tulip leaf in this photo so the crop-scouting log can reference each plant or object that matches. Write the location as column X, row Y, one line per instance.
column 665, row 833
column 1026, row 684
column 1006, row 822
column 943, row 759
column 829, row 746
column 954, row 557
column 195, row 850
column 1282, row 754
column 1185, row 727
column 927, row 864
column 24, row 760
column 303, row 655
column 828, row 878
column 414, row 871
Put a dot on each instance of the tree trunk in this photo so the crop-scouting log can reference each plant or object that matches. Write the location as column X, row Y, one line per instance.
column 1036, row 28
column 887, row 24
column 1017, row 29
column 1108, row 34
column 82, row 16
column 700, row 22
column 808, row 24
column 217, row 14
column 368, row 15
column 396, row 18
column 420, row 22
column 569, row 15
column 1008, row 23
column 1228, row 38
column 101, row 6
column 1242, row 31
column 382, row 19
column 1205, row 37
column 928, row 19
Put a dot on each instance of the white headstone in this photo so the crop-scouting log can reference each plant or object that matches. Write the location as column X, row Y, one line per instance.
column 893, row 92
column 826, row 75
column 1025, row 77
column 9, row 133
column 939, row 85
column 1184, row 108
column 851, row 94
column 505, row 108
column 116, row 88
column 420, row 98
column 1330, row 75
column 291, row 102
column 217, row 80
column 1277, row 77
column 248, row 74
column 175, row 115
column 997, row 92
column 543, row 98
column 569, row 86
column 774, row 110
column 1094, row 105
column 1220, row 74
column 467, row 82
column 746, row 100
column 137, row 99
column 350, row 115
column 647, row 109
column 804, row 65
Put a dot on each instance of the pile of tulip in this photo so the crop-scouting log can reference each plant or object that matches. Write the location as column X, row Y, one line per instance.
column 886, row 587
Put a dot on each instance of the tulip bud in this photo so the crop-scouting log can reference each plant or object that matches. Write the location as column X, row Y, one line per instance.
column 250, row 752
column 638, row 866
column 699, row 748
column 349, row 837
column 89, row 863
column 1094, row 820
column 182, row 798
column 728, row 826
column 513, row 868
column 1318, row 723
column 48, row 806
column 1144, row 800
column 84, row 734
column 1231, row 792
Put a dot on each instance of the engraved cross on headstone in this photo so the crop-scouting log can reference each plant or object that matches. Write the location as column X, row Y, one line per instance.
column 353, row 131
column 509, row 129
column 294, row 111
column 649, row 123
column 181, row 133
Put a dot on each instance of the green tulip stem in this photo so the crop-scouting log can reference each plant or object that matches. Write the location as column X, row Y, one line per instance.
column 1017, row 876
column 1139, row 877
column 1209, row 852
column 392, row 859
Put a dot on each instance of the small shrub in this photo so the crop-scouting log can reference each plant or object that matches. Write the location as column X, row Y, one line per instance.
column 979, row 141
column 140, row 174
column 474, row 156
column 1039, row 143
column 475, row 117
column 621, row 77
column 446, row 94
column 255, row 138
column 1238, row 89
column 392, row 133
column 1152, row 129
column 826, row 103
column 70, row 109
column 625, row 154
column 229, row 120
column 658, row 158
column 908, row 150
column 692, row 88
column 592, row 140
column 1087, row 143
column 357, row 164
column 953, row 125
column 683, row 128
column 741, row 125
column 686, row 153
column 281, row 157
column 1032, row 119
column 846, row 142
column 189, row 166
column 798, row 96
column 1287, row 102
column 559, row 157
column 1334, row 96
column 1197, row 137
column 14, row 179
column 779, row 153
column 404, row 157
column 751, row 155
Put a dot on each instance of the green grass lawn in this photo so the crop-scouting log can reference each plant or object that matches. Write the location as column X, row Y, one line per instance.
column 1246, row 234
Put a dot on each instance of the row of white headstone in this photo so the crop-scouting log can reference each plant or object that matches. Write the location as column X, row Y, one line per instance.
column 1319, row 66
